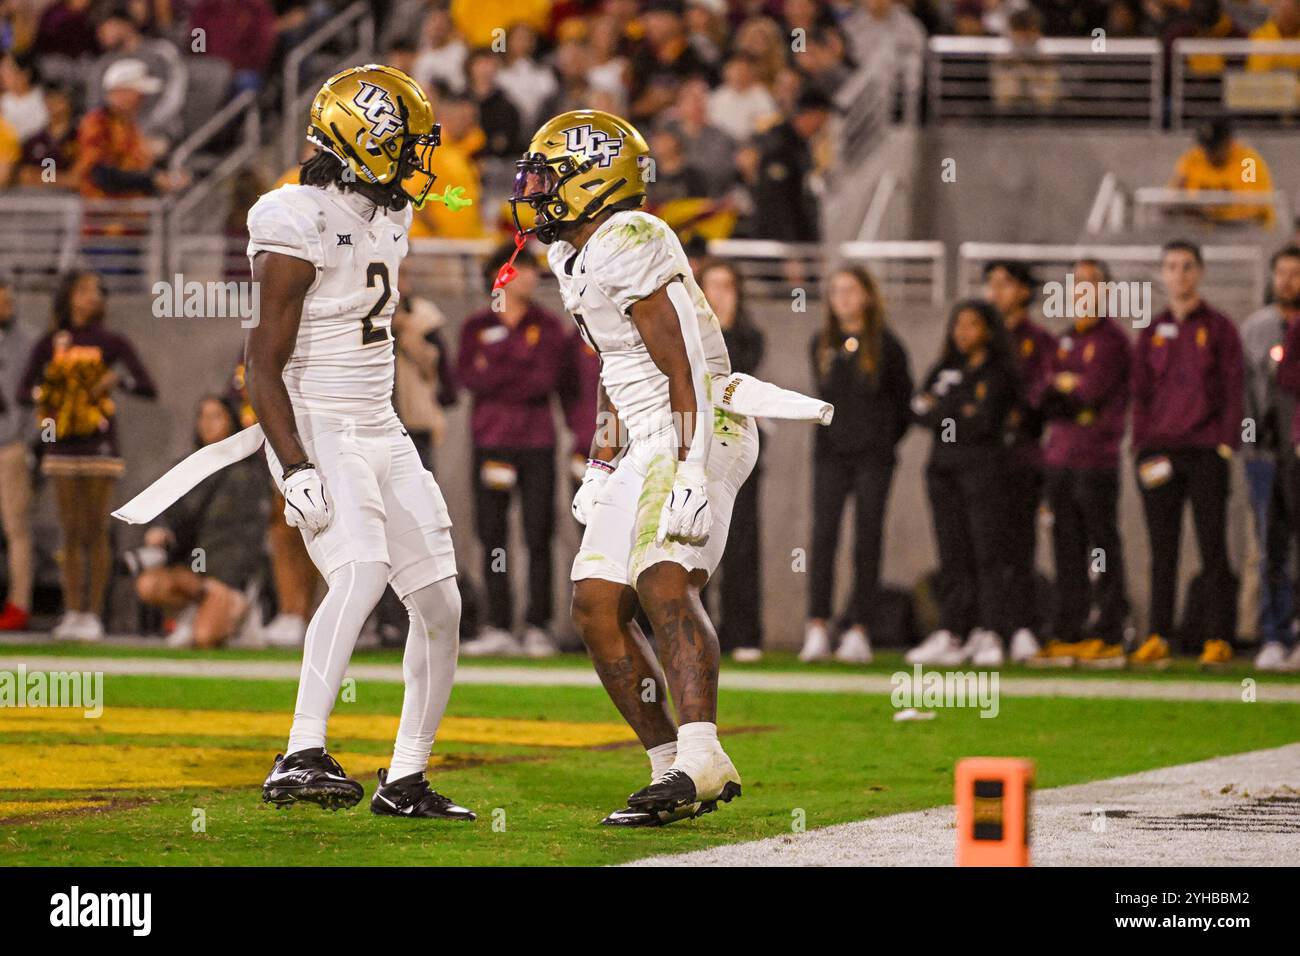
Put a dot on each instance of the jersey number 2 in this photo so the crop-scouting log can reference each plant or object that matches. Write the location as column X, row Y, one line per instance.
column 370, row 334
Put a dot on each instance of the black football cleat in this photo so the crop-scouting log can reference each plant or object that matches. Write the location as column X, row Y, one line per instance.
column 310, row 776
column 675, row 789
column 412, row 796
column 629, row 817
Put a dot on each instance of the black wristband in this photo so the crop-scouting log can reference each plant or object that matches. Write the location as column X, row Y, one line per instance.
column 294, row 469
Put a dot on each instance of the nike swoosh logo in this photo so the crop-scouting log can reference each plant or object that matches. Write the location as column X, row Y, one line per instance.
column 397, row 238
column 405, row 811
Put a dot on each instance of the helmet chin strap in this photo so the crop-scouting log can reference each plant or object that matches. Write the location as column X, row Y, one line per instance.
column 506, row 274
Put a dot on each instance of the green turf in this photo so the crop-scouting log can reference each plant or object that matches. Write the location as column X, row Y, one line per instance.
column 827, row 758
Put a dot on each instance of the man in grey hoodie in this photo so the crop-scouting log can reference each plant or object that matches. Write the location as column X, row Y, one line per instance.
column 1271, row 461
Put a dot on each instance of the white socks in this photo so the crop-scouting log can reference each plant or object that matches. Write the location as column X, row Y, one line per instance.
column 428, row 667
column 661, row 758
column 354, row 590
column 697, row 743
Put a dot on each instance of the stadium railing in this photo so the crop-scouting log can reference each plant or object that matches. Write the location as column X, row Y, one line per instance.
column 300, row 69
column 1235, row 279
column 1212, row 77
column 1117, row 210
column 1068, row 79
column 912, row 272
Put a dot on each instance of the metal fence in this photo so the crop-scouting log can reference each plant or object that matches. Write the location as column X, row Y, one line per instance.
column 1235, row 279
column 976, row 79
column 1256, row 81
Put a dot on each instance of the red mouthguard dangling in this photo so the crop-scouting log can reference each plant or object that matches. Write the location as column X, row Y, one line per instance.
column 507, row 272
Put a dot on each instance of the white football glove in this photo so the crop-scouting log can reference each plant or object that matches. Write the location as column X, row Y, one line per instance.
column 584, row 500
column 305, row 504
column 686, row 514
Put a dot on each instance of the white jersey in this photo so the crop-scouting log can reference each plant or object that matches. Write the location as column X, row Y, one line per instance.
column 632, row 255
column 342, row 364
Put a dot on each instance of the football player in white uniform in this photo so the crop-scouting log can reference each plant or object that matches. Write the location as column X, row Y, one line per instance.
column 666, row 463
column 320, row 377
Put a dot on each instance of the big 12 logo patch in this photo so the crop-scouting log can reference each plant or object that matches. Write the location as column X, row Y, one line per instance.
column 593, row 143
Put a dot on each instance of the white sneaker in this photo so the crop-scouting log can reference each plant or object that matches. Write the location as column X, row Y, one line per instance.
column 537, row 643
column 91, row 628
column 983, row 649
column 285, row 630
column 941, row 647
column 1023, row 645
column 1293, row 660
column 182, row 634
column 747, row 655
column 816, row 644
column 493, row 642
column 854, row 647
column 66, row 629
column 1271, row 657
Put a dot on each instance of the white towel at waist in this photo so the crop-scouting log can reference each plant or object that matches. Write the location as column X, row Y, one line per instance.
column 208, row 460
column 746, row 395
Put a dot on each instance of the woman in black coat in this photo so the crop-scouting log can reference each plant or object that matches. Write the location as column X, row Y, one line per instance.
column 964, row 402
column 860, row 367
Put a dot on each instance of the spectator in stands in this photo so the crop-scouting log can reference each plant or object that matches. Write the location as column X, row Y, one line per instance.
column 786, row 208
column 965, row 401
column 497, row 116
column 524, row 78
column 1009, row 288
column 1202, row 20
column 741, row 106
column 1247, row 15
column 453, row 164
column 1221, row 162
column 1271, row 465
column 860, row 367
column 205, row 549
column 113, row 156
column 241, row 32
column 66, row 29
column 23, row 103
column 1187, row 397
column 573, row 70
column 476, row 21
column 16, row 433
column 663, row 60
column 1283, row 23
column 49, row 157
column 120, row 39
column 442, row 53
column 760, row 38
column 674, row 177
column 708, row 149
column 739, row 589
column 824, row 64
column 11, row 153
column 706, row 30
column 71, row 375
column 1086, row 407
column 610, row 67
column 885, row 31
column 511, row 360
column 424, row 383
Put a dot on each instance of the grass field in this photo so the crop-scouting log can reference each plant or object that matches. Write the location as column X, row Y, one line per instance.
column 540, row 764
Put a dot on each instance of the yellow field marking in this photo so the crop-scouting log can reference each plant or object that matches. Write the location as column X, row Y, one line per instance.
column 131, row 767
column 17, row 809
column 156, row 721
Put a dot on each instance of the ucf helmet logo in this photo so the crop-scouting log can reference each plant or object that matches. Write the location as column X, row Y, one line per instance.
column 379, row 111
column 594, row 144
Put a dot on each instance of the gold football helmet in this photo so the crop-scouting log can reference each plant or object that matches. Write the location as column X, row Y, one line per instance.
column 577, row 165
column 377, row 122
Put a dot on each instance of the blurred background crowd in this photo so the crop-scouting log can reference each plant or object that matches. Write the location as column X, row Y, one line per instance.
column 754, row 112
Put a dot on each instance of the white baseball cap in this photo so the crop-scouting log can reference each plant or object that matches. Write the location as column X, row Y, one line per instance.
column 131, row 75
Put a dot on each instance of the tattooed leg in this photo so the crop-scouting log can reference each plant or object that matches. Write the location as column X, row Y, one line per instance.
column 688, row 645
column 603, row 613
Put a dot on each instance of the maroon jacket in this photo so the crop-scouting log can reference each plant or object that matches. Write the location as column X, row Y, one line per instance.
column 1086, row 425
column 512, row 374
column 1033, row 346
column 1288, row 374
column 1187, row 382
column 579, row 386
